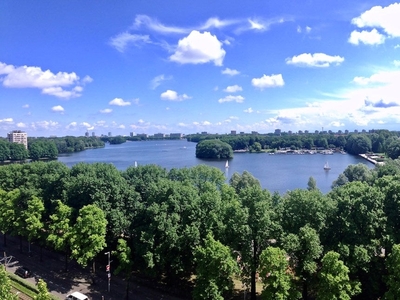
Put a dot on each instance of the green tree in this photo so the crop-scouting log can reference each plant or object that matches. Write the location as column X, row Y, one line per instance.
column 88, row 234
column 214, row 149
column 334, row 282
column 60, row 229
column 18, row 152
column 311, row 184
column 261, row 230
column 393, row 149
column 393, row 279
column 275, row 275
column 5, row 286
column 43, row 292
column 215, row 267
column 32, row 219
column 239, row 182
column 4, row 151
column 125, row 263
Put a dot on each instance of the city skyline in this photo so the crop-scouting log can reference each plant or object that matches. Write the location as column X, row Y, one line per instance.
column 67, row 68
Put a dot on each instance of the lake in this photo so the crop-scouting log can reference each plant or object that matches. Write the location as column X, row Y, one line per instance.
column 280, row 172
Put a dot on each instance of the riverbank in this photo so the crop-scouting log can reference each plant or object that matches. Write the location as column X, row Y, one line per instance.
column 373, row 158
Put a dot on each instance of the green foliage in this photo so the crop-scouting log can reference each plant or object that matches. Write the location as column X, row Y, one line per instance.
column 43, row 292
column 358, row 172
column 275, row 275
column 239, row 182
column 311, row 184
column 117, row 140
column 214, row 149
column 334, row 281
column 393, row 279
column 88, row 234
column 358, row 144
column 214, row 270
column 5, row 286
column 4, row 150
column 18, row 151
column 393, row 149
column 124, row 256
column 42, row 149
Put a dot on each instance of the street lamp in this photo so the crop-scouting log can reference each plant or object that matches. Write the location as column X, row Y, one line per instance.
column 108, row 269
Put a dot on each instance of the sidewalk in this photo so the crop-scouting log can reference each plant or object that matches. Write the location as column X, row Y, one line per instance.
column 60, row 283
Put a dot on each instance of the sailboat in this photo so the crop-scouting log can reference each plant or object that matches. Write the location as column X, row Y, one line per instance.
column 226, row 165
column 135, row 164
column 327, row 167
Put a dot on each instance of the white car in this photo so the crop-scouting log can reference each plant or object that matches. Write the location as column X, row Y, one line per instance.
column 76, row 296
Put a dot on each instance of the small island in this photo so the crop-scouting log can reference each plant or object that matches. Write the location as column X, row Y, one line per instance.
column 214, row 149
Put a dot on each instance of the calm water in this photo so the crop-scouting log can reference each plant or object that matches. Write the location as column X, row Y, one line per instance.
column 275, row 172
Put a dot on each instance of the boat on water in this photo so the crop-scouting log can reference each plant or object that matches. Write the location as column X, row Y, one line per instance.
column 226, row 165
column 327, row 167
column 135, row 164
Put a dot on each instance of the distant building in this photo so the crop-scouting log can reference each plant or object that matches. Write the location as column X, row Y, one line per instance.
column 87, row 134
column 254, row 132
column 19, row 137
column 346, row 131
column 355, row 131
column 242, row 133
column 290, row 132
column 233, row 132
column 142, row 135
column 300, row 132
column 159, row 135
column 306, row 132
column 131, row 134
column 339, row 131
column 93, row 134
column 204, row 132
column 109, row 134
column 278, row 132
column 176, row 135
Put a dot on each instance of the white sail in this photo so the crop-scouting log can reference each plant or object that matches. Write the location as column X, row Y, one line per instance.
column 326, row 166
column 135, row 164
column 226, row 164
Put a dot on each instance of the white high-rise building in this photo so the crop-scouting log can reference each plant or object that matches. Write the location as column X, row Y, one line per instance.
column 18, row 136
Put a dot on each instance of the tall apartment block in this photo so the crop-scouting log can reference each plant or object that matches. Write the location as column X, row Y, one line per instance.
column 18, row 136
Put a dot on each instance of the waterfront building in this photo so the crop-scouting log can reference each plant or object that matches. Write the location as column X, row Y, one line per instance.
column 18, row 136
column 176, row 135
column 278, row 132
column 159, row 135
column 233, row 132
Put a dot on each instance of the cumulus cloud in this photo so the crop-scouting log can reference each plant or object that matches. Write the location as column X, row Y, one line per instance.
column 58, row 108
column 199, row 48
column 314, row 60
column 386, row 18
column 119, row 102
column 106, row 111
column 233, row 89
column 21, row 125
column 45, row 125
column 383, row 77
column 249, row 110
column 7, row 120
column 47, row 81
column 372, row 37
column 25, row 106
column 122, row 40
column 173, row 96
column 71, row 125
column 380, row 104
column 230, row 72
column 230, row 98
column 268, row 81
column 156, row 81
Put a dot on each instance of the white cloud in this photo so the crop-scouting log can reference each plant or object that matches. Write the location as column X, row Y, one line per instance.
column 122, row 40
column 396, row 63
column 58, row 108
column 45, row 125
column 314, row 60
column 233, row 89
column 25, row 106
column 249, row 110
column 397, row 46
column 257, row 25
column 47, row 81
column 153, row 24
column 173, row 96
column 217, row 23
column 268, row 81
column 158, row 80
column 230, row 98
column 386, row 18
column 106, row 111
column 230, row 72
column 7, row 120
column 119, row 102
column 385, row 77
column 21, row 125
column 372, row 37
column 199, row 48
column 71, row 125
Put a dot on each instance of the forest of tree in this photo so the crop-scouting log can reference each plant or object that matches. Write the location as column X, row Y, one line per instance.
column 379, row 141
column 188, row 223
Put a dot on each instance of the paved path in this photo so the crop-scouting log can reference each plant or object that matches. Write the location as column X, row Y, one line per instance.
column 60, row 283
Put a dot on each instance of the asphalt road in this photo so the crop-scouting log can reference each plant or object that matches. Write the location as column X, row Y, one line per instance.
column 60, row 283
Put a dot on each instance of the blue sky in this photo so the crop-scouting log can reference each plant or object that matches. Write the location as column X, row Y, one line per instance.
column 67, row 67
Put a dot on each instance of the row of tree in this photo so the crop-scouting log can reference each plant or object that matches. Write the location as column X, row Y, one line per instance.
column 171, row 225
column 380, row 141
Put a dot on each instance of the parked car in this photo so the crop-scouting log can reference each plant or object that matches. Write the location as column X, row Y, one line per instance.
column 23, row 272
column 76, row 296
